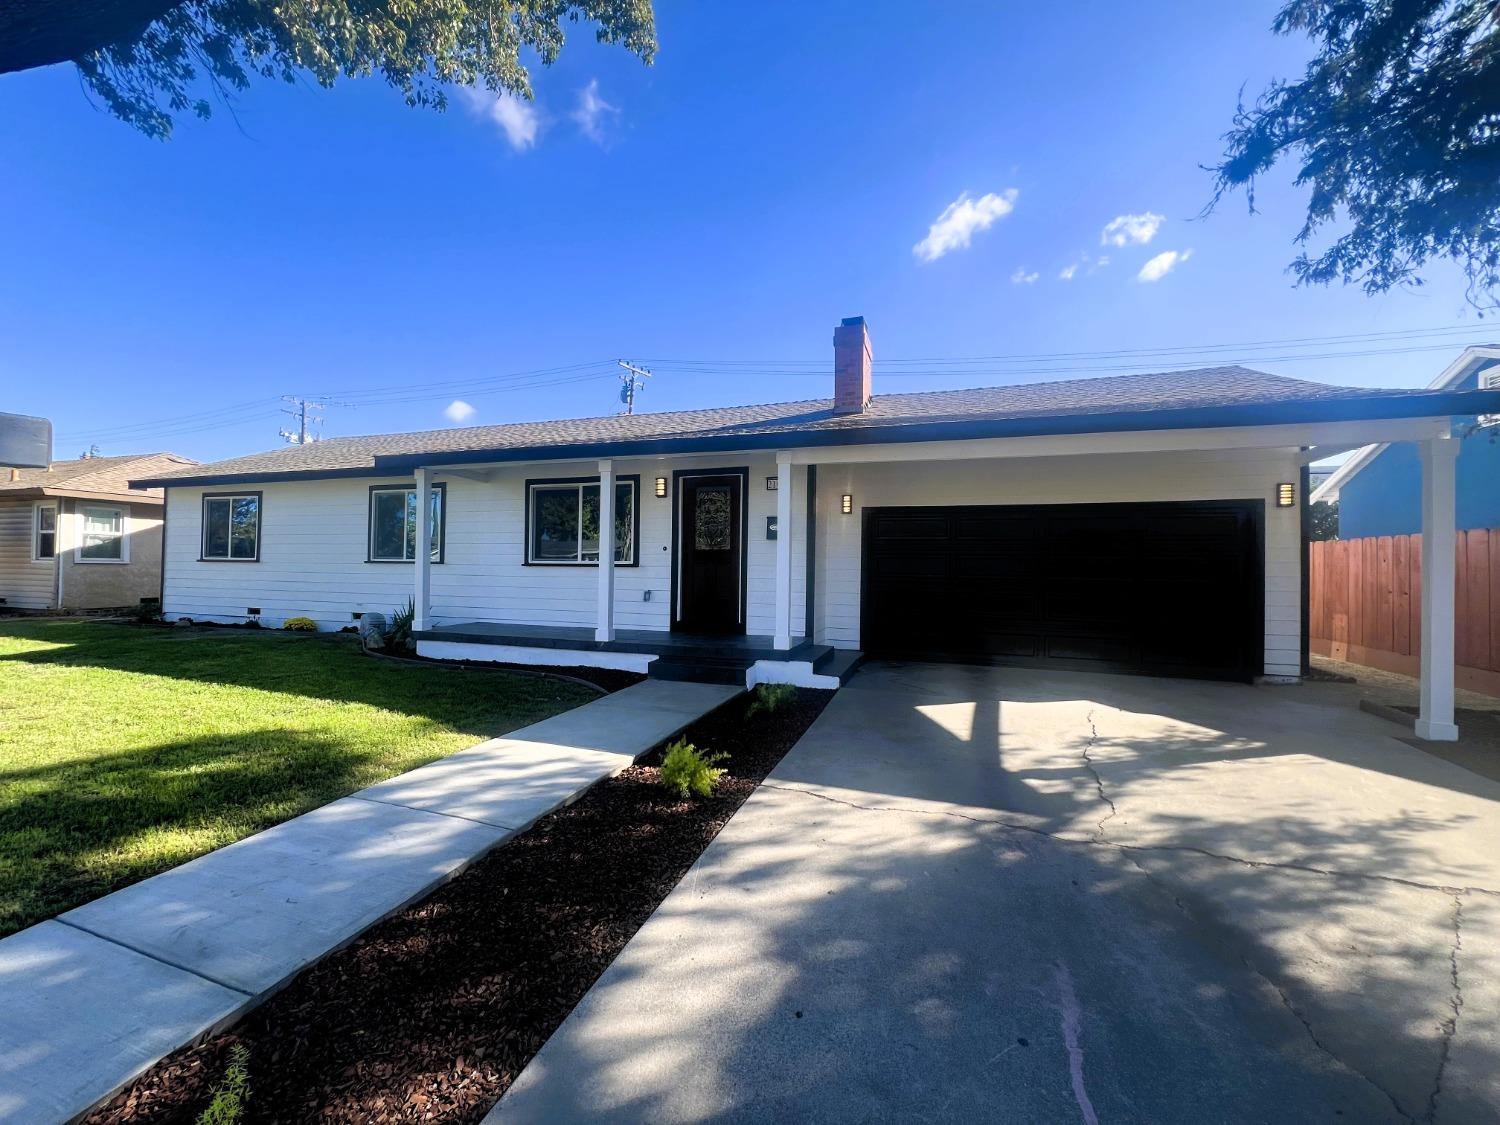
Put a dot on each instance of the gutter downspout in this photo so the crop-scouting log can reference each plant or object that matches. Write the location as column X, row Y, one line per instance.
column 60, row 548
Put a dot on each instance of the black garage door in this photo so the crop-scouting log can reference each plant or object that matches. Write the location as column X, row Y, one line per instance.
column 1168, row 589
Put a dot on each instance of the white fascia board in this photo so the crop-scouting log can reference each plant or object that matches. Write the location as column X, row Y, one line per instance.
column 1296, row 437
column 1452, row 375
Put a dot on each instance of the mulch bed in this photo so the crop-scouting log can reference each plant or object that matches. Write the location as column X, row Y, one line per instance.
column 435, row 1011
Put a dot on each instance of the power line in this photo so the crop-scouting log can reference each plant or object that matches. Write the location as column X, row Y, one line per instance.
column 632, row 381
column 1393, row 336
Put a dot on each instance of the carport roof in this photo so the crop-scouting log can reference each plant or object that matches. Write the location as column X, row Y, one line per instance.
column 1203, row 397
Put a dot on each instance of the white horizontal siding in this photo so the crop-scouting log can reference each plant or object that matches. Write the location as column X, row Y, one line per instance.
column 313, row 547
column 1122, row 478
column 313, row 540
column 25, row 583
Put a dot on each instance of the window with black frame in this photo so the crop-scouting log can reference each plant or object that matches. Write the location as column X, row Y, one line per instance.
column 231, row 527
column 393, row 524
column 564, row 523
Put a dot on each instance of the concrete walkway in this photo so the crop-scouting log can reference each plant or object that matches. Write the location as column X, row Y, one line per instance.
column 974, row 894
column 93, row 997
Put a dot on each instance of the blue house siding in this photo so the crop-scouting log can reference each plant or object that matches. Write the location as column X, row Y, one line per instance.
column 1385, row 497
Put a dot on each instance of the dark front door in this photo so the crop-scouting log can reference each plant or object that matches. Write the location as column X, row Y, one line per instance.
column 1170, row 588
column 710, row 546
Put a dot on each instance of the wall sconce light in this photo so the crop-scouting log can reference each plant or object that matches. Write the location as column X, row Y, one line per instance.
column 661, row 486
column 846, row 504
column 1286, row 494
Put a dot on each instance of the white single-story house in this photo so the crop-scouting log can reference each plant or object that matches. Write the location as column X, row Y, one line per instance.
column 1142, row 523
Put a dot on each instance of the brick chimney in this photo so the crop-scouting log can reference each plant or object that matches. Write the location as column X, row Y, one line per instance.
column 852, row 359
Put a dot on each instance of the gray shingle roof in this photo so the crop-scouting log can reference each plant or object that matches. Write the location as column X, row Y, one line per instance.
column 1200, row 388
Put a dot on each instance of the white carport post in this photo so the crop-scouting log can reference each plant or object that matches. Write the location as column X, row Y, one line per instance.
column 1439, row 521
column 421, row 595
column 605, row 630
column 783, row 625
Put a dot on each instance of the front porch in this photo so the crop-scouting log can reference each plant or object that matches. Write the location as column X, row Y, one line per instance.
column 803, row 590
column 661, row 655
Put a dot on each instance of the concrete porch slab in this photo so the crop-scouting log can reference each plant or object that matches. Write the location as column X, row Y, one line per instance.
column 121, row 1012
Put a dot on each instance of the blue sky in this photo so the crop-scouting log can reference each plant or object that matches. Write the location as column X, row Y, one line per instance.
column 781, row 166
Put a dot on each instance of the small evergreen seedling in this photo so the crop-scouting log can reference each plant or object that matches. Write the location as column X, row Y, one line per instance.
column 231, row 1095
column 770, row 698
column 686, row 770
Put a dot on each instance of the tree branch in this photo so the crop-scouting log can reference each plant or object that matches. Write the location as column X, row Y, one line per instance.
column 41, row 32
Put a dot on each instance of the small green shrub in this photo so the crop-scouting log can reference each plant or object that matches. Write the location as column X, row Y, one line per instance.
column 685, row 769
column 300, row 625
column 401, row 623
column 231, row 1095
column 770, row 698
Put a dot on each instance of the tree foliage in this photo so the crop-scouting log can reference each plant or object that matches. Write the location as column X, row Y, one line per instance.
column 151, row 61
column 1396, row 127
column 1325, row 521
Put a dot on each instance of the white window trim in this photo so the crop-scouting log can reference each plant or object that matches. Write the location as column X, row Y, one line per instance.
column 36, row 531
column 439, row 527
column 82, row 515
column 260, row 515
column 635, row 498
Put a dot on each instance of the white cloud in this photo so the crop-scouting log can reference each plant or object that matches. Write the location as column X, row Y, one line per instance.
column 1021, row 277
column 956, row 226
column 1163, row 264
column 1127, row 230
column 1067, row 272
column 458, row 411
column 592, row 112
column 516, row 118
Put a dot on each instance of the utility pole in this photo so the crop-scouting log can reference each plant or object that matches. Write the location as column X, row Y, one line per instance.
column 308, row 412
column 633, row 380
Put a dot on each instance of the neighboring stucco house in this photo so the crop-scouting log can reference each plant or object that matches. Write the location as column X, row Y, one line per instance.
column 1143, row 523
column 76, row 536
column 1379, row 489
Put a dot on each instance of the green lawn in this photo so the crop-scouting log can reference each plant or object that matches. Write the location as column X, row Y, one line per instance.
column 126, row 750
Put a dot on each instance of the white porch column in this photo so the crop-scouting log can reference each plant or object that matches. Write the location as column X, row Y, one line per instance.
column 1439, row 519
column 783, row 624
column 605, row 630
column 421, row 597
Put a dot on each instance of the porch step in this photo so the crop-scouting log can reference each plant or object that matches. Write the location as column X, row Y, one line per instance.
column 699, row 671
column 840, row 662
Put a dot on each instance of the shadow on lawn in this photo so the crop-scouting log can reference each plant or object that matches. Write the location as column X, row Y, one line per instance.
column 330, row 667
column 73, row 831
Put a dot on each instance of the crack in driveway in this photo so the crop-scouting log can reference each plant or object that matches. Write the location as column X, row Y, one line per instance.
column 1455, row 1001
column 1088, row 764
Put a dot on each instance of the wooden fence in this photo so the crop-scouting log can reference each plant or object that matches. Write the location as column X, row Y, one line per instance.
column 1365, row 604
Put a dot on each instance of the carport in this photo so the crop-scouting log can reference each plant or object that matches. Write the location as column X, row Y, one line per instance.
column 1153, row 542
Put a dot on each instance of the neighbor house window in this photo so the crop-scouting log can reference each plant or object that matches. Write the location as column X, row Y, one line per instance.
column 563, row 522
column 102, row 537
column 231, row 527
column 44, row 533
column 393, row 524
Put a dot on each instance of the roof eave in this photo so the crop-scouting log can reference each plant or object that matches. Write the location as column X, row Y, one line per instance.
column 1425, row 404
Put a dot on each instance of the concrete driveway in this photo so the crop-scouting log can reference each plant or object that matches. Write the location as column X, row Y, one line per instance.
column 992, row 894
